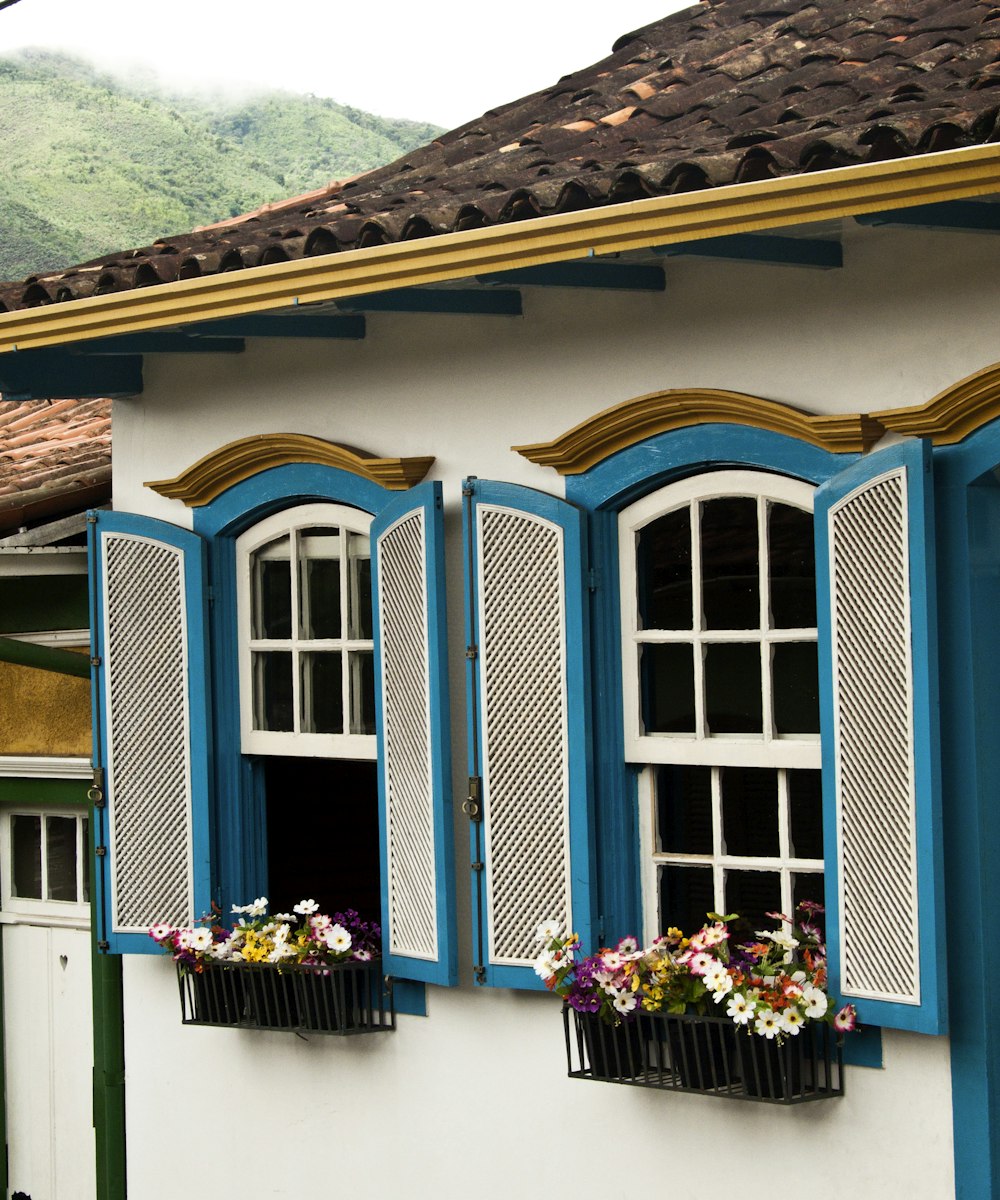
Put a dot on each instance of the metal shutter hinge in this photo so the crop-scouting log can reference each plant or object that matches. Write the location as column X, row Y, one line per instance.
column 210, row 593
column 471, row 805
column 471, row 652
column 480, row 973
column 105, row 946
column 478, row 866
column 91, row 518
column 593, row 579
column 469, row 487
column 95, row 793
column 101, row 851
column 96, row 660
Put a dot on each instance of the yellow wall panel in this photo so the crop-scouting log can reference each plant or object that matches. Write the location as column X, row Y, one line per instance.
column 42, row 712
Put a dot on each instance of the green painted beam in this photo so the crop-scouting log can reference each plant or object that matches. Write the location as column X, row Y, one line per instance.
column 44, row 658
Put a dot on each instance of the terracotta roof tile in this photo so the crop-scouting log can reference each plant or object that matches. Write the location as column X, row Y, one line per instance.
column 721, row 93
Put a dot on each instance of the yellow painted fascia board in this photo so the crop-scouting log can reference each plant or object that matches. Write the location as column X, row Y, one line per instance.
column 715, row 212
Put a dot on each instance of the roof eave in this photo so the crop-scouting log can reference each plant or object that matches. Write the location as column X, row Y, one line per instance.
column 741, row 208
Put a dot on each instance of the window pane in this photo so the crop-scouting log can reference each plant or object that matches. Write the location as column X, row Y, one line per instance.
column 85, row 846
column 795, row 668
column 667, row 680
column 687, row 894
column 26, row 838
column 272, row 690
column 684, row 809
column 320, row 598
column 729, row 565
column 732, row 687
column 322, row 693
column 663, row 562
column 272, row 590
column 750, row 812
column 792, row 567
column 359, row 592
column 362, row 663
column 809, row 886
column 805, row 804
column 60, row 857
column 752, row 894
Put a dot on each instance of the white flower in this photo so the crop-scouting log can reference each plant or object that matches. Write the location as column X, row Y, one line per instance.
column 723, row 985
column 258, row 908
column 240, row 908
column 337, row 938
column 701, row 962
column 624, row 1002
column 159, row 932
column 184, row 939
column 283, row 917
column 548, row 931
column 741, row 1009
column 281, row 933
column 816, row 1002
column 545, row 965
column 306, row 908
column 768, row 1024
column 792, row 1021
column 201, row 939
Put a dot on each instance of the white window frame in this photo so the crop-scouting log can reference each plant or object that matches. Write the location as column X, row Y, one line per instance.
column 768, row 749
column 296, row 742
column 26, row 909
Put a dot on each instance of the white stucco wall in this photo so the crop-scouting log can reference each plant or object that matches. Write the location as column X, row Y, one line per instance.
column 473, row 1099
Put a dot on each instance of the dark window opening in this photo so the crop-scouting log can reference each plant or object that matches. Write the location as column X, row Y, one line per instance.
column 322, row 835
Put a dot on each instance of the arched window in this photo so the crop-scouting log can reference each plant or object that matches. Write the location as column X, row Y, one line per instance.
column 721, row 695
column 306, row 643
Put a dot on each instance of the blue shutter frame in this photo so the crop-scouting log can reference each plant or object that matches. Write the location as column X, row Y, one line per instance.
column 196, row 598
column 571, row 523
column 914, row 458
column 425, row 498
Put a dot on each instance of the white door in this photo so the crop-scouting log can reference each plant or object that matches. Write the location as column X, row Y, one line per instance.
column 48, row 1036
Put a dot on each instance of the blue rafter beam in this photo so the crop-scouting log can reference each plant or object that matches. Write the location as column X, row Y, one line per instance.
column 56, row 375
column 617, row 276
column 160, row 343
column 294, row 325
column 469, row 301
column 969, row 216
column 820, row 253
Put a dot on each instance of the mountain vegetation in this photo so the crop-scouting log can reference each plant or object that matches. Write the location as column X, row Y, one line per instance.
column 94, row 163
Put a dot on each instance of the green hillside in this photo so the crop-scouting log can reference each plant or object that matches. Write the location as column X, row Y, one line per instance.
column 94, row 164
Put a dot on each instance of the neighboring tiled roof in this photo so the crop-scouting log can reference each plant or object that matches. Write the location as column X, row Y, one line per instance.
column 729, row 91
column 55, row 458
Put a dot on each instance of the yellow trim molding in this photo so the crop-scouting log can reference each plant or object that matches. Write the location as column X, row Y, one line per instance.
column 246, row 457
column 661, row 220
column 624, row 425
column 953, row 414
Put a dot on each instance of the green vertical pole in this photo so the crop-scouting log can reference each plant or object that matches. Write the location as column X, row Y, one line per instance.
column 3, row 1087
column 109, row 1075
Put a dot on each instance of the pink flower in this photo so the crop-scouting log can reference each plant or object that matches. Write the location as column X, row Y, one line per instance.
column 846, row 1021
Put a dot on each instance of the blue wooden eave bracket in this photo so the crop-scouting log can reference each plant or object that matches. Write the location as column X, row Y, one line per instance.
column 820, row 253
column 616, row 276
column 159, row 343
column 57, row 375
column 469, row 301
column 292, row 325
column 970, row 216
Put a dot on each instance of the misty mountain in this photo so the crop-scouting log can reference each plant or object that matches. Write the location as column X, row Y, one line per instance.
column 94, row 163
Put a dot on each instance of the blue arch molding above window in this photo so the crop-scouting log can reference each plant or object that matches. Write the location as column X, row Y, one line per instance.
column 152, row 727
column 637, row 470
column 530, row 804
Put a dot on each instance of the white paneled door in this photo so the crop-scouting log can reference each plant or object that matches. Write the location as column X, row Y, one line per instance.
column 48, row 1035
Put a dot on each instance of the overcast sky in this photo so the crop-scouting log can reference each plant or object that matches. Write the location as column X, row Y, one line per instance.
column 444, row 61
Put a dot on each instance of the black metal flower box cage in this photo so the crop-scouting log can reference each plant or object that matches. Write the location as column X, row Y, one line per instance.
column 342, row 998
column 709, row 1055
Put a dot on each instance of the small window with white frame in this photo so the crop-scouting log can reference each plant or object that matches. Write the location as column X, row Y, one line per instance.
column 307, row 681
column 44, row 864
column 721, row 695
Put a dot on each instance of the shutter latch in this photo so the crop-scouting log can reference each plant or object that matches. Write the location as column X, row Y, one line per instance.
column 472, row 804
column 95, row 793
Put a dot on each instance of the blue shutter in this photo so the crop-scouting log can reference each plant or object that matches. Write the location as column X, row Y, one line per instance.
column 881, row 776
column 411, row 672
column 528, row 632
column 152, row 727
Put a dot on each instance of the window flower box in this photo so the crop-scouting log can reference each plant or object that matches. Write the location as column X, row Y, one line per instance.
column 307, row 973
column 706, row 1054
column 751, row 1020
column 338, row 998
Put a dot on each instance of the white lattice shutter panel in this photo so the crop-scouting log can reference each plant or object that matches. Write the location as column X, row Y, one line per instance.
column 523, row 660
column 873, row 677
column 414, row 739
column 402, row 599
column 148, row 726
